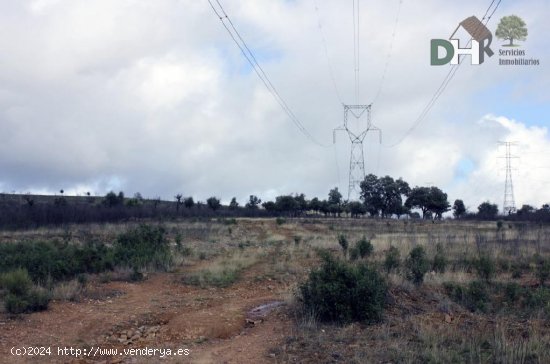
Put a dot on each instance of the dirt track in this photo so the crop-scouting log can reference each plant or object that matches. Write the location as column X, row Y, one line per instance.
column 210, row 322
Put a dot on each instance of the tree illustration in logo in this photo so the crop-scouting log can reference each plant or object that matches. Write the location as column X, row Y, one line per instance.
column 511, row 28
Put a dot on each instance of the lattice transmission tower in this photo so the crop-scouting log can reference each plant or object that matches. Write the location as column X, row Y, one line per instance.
column 356, row 135
column 509, row 204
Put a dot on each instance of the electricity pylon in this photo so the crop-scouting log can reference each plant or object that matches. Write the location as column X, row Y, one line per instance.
column 509, row 204
column 357, row 157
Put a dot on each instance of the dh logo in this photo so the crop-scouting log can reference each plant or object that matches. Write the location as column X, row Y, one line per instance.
column 480, row 44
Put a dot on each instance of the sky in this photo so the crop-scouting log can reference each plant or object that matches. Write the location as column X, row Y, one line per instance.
column 154, row 97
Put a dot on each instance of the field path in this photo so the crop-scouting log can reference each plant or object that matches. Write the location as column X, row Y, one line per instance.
column 164, row 313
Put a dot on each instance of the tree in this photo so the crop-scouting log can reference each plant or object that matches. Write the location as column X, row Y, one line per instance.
column 253, row 202
column 188, row 202
column 371, row 194
column 438, row 203
column 334, row 197
column 301, row 203
column 526, row 209
column 357, row 209
column 511, row 27
column 270, row 206
column 214, row 203
column 111, row 199
column 487, row 210
column 287, row 203
column 431, row 200
column 325, row 207
column 335, row 202
column 459, row 209
column 384, row 195
column 314, row 204
column 233, row 204
column 418, row 198
column 178, row 198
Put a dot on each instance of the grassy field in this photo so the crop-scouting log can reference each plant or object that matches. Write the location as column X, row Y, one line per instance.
column 483, row 297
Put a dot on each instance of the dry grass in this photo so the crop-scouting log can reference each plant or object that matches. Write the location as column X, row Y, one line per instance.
column 414, row 329
column 67, row 291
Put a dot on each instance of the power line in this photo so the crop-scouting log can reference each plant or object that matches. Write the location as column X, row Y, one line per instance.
column 388, row 57
column 249, row 55
column 444, row 84
column 325, row 47
column 356, row 49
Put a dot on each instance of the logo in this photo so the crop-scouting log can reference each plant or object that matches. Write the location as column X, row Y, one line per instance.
column 511, row 28
column 480, row 43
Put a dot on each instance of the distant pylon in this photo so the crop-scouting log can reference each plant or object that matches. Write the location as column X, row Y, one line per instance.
column 357, row 157
column 509, row 204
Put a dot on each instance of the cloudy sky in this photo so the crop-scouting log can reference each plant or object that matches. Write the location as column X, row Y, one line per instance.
column 154, row 96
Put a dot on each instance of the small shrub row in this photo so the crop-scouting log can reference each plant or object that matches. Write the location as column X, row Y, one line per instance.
column 144, row 246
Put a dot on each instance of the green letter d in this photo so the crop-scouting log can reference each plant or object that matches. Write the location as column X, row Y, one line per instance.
column 435, row 44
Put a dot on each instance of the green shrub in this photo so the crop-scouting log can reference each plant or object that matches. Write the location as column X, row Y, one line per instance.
column 364, row 247
column 55, row 260
column 392, row 259
column 21, row 296
column 143, row 246
column 343, row 241
column 477, row 296
column 342, row 292
column 17, row 282
column 485, row 267
column 280, row 221
column 474, row 297
column 417, row 265
column 439, row 263
column 539, row 298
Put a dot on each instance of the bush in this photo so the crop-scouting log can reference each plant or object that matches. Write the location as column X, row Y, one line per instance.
column 21, row 296
column 143, row 246
column 280, row 221
column 417, row 265
column 392, row 260
column 364, row 247
column 477, row 296
column 538, row 298
column 55, row 260
column 17, row 282
column 343, row 241
column 485, row 267
column 439, row 263
column 343, row 292
column 474, row 297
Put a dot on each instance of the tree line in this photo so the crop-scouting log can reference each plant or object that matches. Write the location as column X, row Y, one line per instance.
column 380, row 197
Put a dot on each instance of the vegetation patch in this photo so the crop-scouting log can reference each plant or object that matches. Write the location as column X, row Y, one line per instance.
column 222, row 273
column 21, row 295
column 343, row 292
